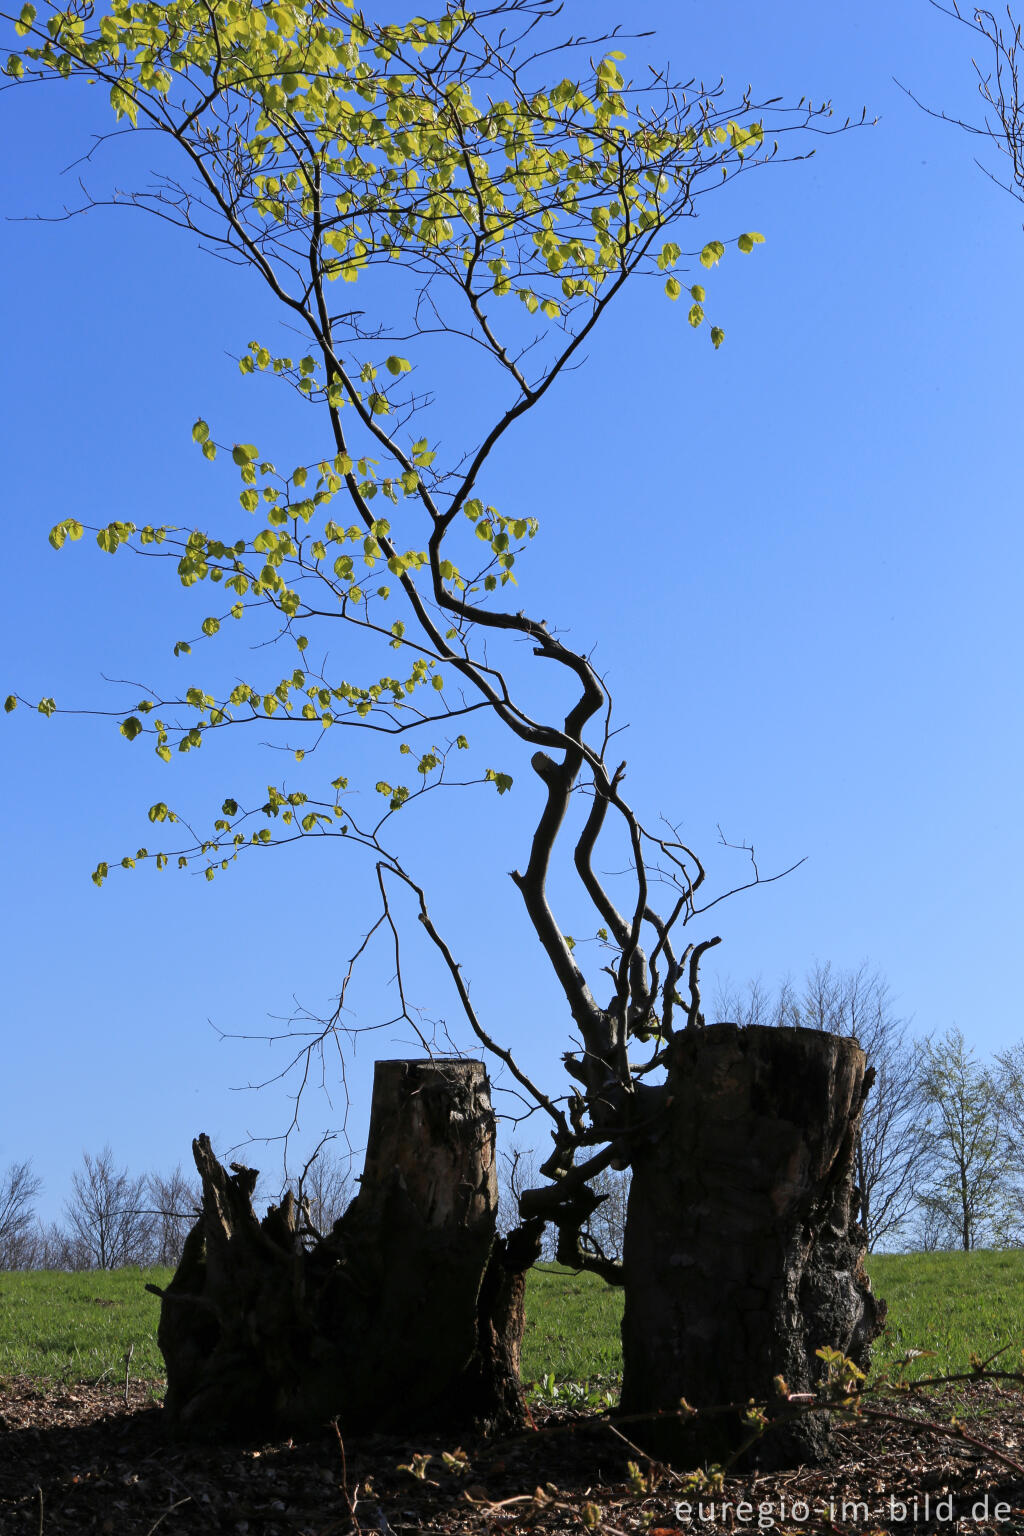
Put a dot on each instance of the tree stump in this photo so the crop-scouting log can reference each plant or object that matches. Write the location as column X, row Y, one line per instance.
column 742, row 1251
column 407, row 1316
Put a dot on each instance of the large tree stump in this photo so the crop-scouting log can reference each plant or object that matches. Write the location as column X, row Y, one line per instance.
column 742, row 1252
column 407, row 1316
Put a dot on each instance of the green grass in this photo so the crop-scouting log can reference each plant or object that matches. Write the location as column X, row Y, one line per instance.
column 572, row 1326
column 952, row 1305
column 948, row 1305
column 79, row 1327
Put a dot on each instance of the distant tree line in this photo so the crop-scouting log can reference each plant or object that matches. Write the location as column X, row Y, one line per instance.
column 113, row 1218
column 940, row 1157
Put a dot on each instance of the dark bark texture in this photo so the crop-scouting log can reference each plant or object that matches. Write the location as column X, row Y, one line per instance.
column 743, row 1255
column 408, row 1315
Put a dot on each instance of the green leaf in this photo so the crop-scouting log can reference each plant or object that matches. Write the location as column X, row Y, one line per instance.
column 673, row 287
column 697, row 292
column 46, row 707
column 747, row 242
column 244, row 453
column 109, row 538
column 158, row 812
column 10, row 703
column 68, row 528
column 712, row 253
column 131, row 727
column 717, row 336
column 696, row 315
column 122, row 99
column 211, row 626
column 200, row 432
column 100, row 874
column 397, row 365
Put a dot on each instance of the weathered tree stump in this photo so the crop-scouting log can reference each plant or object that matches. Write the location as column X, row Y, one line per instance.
column 743, row 1256
column 407, row 1316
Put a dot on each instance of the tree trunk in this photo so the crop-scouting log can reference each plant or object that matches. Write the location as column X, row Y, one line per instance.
column 742, row 1252
column 407, row 1316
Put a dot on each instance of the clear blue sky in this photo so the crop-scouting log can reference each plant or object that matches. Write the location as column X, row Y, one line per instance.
column 799, row 559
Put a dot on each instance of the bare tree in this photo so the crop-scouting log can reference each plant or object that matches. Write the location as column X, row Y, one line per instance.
column 517, row 1172
column 891, row 1143
column 998, row 81
column 55, row 1247
column 19, row 1189
column 605, row 1232
column 174, row 1205
column 326, row 1186
column 1009, row 1079
column 966, row 1147
column 109, row 1213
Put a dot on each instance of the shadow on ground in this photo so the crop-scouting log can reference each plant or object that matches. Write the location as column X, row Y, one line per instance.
column 75, row 1459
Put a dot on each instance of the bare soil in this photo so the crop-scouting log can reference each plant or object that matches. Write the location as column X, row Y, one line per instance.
column 77, row 1459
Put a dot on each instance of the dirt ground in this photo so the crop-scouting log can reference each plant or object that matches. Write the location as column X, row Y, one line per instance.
column 76, row 1459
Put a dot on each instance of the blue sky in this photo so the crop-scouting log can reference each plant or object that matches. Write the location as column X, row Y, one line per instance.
column 798, row 559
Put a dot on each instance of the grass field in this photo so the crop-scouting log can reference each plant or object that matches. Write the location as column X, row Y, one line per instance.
column 79, row 1327
column 952, row 1305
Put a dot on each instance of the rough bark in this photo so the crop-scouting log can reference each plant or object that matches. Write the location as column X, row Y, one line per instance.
column 407, row 1316
column 743, row 1255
